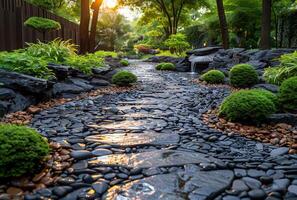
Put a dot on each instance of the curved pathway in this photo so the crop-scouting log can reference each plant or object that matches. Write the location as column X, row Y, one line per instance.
column 152, row 144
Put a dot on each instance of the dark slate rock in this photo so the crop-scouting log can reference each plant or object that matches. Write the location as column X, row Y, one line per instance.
column 81, row 83
column 21, row 102
column 287, row 118
column 99, row 82
column 6, row 94
column 4, row 108
column 270, row 87
column 101, row 70
column 101, row 152
column 100, row 186
column 60, row 71
column 279, row 151
column 60, row 88
column 183, row 65
column 61, row 191
column 81, row 154
column 257, row 194
column 293, row 189
column 257, row 64
column 204, row 51
column 74, row 195
column 21, row 82
column 199, row 185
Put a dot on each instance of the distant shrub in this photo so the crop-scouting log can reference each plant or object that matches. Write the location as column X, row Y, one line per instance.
column 42, row 24
column 288, row 94
column 124, row 62
column 143, row 48
column 124, row 78
column 21, row 149
column 166, row 66
column 103, row 54
column 213, row 77
column 243, row 76
column 177, row 43
column 55, row 51
column 246, row 106
column 26, row 64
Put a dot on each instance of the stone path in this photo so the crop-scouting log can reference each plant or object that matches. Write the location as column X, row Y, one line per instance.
column 152, row 144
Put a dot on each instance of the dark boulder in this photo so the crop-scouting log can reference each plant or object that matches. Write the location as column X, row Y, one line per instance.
column 6, row 94
column 21, row 102
column 270, row 87
column 99, row 82
column 81, row 83
column 24, row 83
column 183, row 65
column 60, row 71
column 204, row 51
column 287, row 118
column 102, row 70
column 66, row 88
column 4, row 108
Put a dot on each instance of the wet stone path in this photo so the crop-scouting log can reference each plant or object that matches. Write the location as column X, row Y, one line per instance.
column 152, row 144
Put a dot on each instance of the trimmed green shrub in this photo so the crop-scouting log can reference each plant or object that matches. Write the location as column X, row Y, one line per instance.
column 42, row 24
column 124, row 78
column 246, row 106
column 213, row 77
column 55, row 51
column 288, row 94
column 26, row 64
column 124, row 62
column 268, row 95
column 165, row 66
column 243, row 76
column 21, row 149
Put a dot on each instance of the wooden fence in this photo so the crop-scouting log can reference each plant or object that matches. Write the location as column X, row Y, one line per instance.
column 13, row 33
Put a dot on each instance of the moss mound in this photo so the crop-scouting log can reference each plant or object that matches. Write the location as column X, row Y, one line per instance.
column 124, row 78
column 243, row 76
column 166, row 67
column 42, row 24
column 288, row 94
column 213, row 77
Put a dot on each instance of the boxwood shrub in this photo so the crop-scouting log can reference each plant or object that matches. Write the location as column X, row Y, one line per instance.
column 165, row 66
column 21, row 149
column 124, row 78
column 213, row 77
column 243, row 76
column 124, row 62
column 247, row 106
column 42, row 24
column 288, row 94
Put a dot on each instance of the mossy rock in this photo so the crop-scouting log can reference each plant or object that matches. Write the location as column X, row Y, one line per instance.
column 243, row 76
column 124, row 78
column 42, row 24
column 21, row 149
column 213, row 77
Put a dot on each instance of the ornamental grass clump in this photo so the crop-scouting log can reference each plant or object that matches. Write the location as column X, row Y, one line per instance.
column 213, row 77
column 288, row 94
column 21, row 150
column 124, row 78
column 243, row 76
column 247, row 106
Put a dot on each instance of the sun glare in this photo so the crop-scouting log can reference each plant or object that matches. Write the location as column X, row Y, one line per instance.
column 110, row 3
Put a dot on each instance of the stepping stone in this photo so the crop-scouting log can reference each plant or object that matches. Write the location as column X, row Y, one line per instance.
column 135, row 139
column 200, row 185
column 158, row 158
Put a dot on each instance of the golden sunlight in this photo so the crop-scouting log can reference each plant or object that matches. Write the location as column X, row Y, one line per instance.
column 110, row 3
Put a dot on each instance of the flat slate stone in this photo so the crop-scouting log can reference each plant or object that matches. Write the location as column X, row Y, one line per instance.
column 158, row 158
column 135, row 139
column 200, row 185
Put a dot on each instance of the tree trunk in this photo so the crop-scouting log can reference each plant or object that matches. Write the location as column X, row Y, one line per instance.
column 223, row 24
column 84, row 26
column 266, row 24
column 95, row 6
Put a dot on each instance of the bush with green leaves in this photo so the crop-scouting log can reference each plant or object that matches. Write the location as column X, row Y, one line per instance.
column 177, row 43
column 42, row 24
column 21, row 149
column 269, row 95
column 213, row 77
column 124, row 78
column 287, row 69
column 247, row 106
column 103, row 54
column 166, row 67
column 55, row 51
column 84, row 63
column 21, row 62
column 288, row 94
column 243, row 76
column 124, row 63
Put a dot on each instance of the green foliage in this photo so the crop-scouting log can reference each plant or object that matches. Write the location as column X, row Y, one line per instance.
column 213, row 77
column 48, row 4
column 124, row 62
column 247, row 106
column 268, row 95
column 165, row 66
column 55, row 51
column 243, row 76
column 21, row 149
column 124, row 78
column 23, row 63
column 84, row 63
column 287, row 69
column 168, row 53
column 102, row 54
column 177, row 43
column 288, row 94
column 42, row 24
